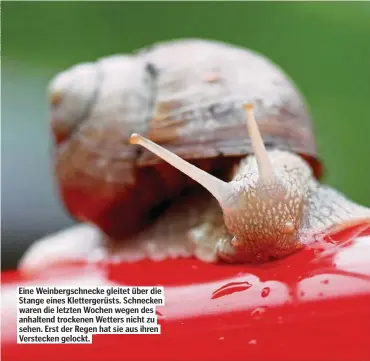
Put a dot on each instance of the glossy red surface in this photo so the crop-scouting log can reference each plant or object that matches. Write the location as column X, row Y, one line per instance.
column 313, row 305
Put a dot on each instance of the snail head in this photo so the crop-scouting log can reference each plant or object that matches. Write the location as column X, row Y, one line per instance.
column 263, row 204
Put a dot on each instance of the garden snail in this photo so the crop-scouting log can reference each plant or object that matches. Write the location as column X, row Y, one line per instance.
column 244, row 132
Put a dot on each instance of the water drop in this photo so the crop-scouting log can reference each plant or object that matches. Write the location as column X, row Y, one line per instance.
column 265, row 292
column 230, row 288
column 252, row 342
column 258, row 312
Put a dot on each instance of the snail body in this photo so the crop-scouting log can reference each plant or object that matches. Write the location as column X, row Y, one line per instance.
column 188, row 100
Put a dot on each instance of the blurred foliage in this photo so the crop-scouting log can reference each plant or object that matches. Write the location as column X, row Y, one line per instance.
column 324, row 47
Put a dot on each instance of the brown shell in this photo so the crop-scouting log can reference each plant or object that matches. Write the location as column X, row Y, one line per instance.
column 201, row 86
column 185, row 95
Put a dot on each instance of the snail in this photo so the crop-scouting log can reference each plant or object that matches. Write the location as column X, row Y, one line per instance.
column 187, row 148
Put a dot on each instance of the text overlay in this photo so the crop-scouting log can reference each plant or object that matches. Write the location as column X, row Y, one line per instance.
column 74, row 314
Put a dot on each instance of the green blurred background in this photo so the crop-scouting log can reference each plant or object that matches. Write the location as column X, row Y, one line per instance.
column 324, row 47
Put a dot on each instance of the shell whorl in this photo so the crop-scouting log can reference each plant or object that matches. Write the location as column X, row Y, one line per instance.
column 72, row 94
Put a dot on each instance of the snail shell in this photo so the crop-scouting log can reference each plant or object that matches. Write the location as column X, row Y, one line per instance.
column 201, row 87
column 185, row 95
